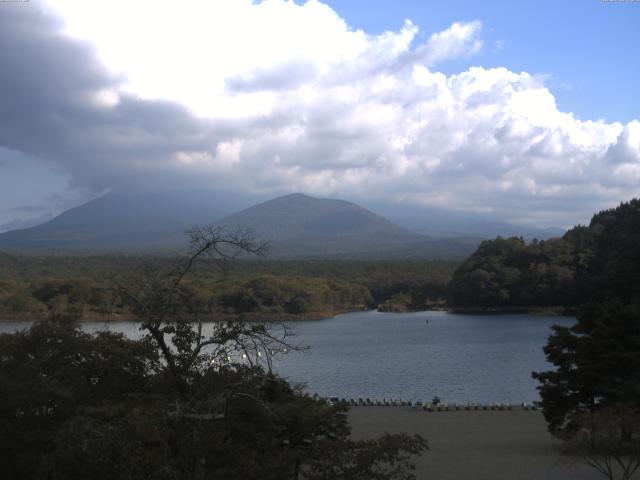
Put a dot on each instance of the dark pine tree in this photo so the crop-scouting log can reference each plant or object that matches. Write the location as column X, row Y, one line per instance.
column 597, row 366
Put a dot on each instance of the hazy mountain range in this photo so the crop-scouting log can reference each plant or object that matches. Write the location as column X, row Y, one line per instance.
column 296, row 226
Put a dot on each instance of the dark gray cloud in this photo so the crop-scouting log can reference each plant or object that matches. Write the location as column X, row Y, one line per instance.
column 50, row 87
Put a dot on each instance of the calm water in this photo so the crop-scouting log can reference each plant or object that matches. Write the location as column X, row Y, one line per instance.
column 460, row 358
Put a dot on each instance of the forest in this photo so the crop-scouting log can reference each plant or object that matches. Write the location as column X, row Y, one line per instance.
column 597, row 262
column 34, row 287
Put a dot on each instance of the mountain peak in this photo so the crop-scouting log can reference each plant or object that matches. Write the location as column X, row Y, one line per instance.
column 296, row 225
column 295, row 196
column 301, row 224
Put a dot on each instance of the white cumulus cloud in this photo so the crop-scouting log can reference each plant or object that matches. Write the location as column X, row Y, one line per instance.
column 296, row 100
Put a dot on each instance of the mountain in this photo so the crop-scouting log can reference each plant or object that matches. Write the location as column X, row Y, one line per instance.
column 19, row 224
column 299, row 225
column 119, row 222
column 296, row 226
column 300, row 215
column 443, row 223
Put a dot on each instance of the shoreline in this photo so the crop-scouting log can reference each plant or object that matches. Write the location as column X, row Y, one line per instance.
column 559, row 311
column 212, row 318
column 292, row 317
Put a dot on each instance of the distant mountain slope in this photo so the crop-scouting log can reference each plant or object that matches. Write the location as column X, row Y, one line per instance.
column 443, row 223
column 302, row 216
column 118, row 222
column 300, row 225
column 296, row 225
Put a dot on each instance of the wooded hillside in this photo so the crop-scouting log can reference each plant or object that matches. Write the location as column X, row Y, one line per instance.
column 597, row 262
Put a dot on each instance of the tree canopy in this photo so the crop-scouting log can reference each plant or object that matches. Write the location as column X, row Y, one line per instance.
column 34, row 287
column 597, row 365
column 597, row 262
column 180, row 403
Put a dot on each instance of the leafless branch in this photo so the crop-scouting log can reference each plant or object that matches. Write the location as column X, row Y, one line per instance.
column 165, row 310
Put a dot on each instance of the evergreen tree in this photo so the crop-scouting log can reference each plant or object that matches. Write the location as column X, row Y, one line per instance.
column 597, row 366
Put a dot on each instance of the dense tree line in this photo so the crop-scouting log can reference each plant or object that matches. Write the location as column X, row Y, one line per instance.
column 597, row 364
column 598, row 262
column 87, row 285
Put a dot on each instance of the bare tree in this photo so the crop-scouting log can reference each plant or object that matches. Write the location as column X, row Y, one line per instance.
column 173, row 320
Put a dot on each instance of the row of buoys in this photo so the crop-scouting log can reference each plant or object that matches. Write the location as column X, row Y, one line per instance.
column 369, row 402
column 444, row 407
column 428, row 407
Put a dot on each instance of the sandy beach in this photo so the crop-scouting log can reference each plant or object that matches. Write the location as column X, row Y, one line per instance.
column 475, row 445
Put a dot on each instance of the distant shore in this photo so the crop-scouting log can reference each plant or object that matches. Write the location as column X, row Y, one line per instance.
column 553, row 310
column 550, row 311
column 215, row 317
column 291, row 317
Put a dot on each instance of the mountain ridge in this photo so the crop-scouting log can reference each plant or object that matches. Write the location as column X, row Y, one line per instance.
column 319, row 216
column 296, row 225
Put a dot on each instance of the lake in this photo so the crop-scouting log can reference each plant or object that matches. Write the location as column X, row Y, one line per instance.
column 459, row 358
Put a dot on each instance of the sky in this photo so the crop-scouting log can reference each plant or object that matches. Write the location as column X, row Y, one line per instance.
column 524, row 111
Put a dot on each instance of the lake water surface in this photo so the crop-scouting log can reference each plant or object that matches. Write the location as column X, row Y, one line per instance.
column 460, row 358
